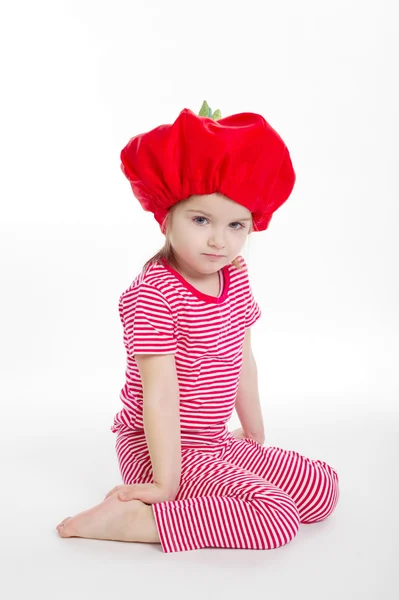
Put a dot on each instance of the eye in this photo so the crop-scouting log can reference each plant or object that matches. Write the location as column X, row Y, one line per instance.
column 241, row 225
column 238, row 227
column 195, row 220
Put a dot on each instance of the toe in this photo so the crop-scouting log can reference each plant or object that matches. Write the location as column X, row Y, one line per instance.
column 65, row 530
column 61, row 527
column 62, row 522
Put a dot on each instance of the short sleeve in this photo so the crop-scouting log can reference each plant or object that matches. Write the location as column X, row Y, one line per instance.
column 148, row 323
column 252, row 311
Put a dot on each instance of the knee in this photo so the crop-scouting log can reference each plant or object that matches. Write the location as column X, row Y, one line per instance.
column 280, row 518
column 334, row 494
column 327, row 499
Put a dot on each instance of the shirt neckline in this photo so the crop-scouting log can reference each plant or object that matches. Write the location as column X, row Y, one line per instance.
column 200, row 295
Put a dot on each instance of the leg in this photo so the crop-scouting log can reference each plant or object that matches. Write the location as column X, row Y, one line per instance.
column 218, row 504
column 312, row 484
column 222, row 506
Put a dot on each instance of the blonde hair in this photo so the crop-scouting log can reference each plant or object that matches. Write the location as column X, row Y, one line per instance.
column 167, row 253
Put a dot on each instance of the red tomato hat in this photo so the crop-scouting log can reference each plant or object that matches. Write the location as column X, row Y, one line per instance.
column 240, row 156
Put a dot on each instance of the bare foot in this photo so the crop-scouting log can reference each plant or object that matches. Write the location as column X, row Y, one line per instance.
column 113, row 519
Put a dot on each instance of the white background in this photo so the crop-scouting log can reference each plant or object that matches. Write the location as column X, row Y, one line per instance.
column 78, row 79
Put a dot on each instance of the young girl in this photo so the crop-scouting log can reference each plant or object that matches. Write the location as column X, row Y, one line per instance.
column 188, row 482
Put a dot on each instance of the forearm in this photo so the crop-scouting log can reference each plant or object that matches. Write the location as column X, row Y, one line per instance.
column 162, row 430
column 247, row 404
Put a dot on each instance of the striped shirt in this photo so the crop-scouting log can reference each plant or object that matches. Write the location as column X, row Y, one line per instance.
column 162, row 313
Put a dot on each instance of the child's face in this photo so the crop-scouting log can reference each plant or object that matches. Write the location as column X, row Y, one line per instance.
column 223, row 231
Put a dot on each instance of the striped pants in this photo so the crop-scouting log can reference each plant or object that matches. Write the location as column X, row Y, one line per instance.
column 237, row 494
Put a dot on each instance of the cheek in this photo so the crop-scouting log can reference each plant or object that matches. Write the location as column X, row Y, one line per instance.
column 189, row 237
column 236, row 237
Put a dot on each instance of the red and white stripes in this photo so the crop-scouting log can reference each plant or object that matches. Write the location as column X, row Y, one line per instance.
column 235, row 494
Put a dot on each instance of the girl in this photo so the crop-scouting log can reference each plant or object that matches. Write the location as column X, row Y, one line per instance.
column 188, row 482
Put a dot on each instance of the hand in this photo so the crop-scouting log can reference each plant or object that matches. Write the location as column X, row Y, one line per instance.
column 239, row 434
column 149, row 493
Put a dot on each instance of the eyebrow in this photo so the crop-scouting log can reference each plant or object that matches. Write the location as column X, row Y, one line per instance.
column 209, row 215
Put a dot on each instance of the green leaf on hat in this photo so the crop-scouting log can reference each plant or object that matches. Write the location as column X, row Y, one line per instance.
column 206, row 111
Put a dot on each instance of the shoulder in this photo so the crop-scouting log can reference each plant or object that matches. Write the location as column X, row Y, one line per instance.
column 245, row 269
column 150, row 284
column 239, row 275
column 241, row 260
column 240, row 278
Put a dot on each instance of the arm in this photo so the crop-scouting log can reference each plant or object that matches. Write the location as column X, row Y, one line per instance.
column 162, row 419
column 247, row 401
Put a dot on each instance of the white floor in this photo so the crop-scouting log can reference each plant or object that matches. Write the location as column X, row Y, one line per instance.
column 353, row 554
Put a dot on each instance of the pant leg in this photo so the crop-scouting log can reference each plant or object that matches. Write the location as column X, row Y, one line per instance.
column 312, row 484
column 220, row 505
column 133, row 456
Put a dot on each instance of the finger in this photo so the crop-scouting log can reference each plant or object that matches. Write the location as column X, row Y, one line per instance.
column 115, row 489
column 128, row 495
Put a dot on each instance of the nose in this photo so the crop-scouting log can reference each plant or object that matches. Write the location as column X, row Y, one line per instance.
column 216, row 240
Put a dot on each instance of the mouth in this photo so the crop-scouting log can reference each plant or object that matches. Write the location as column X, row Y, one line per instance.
column 215, row 255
